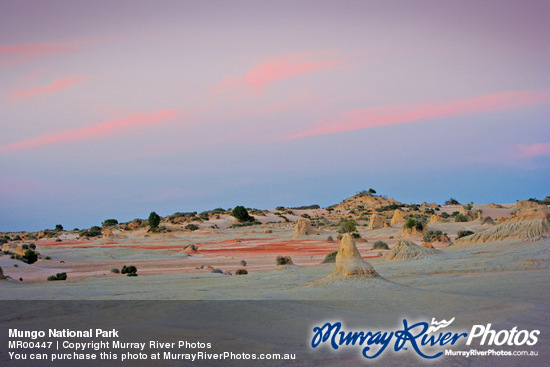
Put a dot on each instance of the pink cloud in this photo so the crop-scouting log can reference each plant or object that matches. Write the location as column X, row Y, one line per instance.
column 10, row 55
column 52, row 87
column 278, row 68
column 406, row 113
column 98, row 131
column 533, row 150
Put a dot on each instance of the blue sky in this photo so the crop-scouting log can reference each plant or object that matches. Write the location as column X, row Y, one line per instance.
column 113, row 110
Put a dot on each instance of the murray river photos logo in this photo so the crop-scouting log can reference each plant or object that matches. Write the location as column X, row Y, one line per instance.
column 426, row 340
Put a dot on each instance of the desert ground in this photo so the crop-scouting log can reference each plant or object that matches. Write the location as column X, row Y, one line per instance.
column 498, row 274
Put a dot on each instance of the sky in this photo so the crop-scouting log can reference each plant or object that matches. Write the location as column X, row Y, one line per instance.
column 114, row 109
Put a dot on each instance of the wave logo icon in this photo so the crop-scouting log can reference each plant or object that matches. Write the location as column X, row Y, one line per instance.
column 439, row 325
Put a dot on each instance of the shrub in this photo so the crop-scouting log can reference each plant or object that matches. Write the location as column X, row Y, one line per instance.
column 488, row 220
column 3, row 240
column 92, row 232
column 58, row 227
column 47, row 258
column 355, row 235
column 241, row 272
column 25, row 246
column 204, row 216
column 305, row 207
column 444, row 215
column 433, row 235
column 461, row 218
column 452, row 201
column 305, row 215
column 217, row 271
column 109, row 222
column 58, row 276
column 468, row 206
column 283, row 260
column 330, row 258
column 192, row 227
column 243, row 263
column 463, row 233
column 412, row 223
column 241, row 214
column 30, row 257
column 58, row 240
column 32, row 246
column 348, row 226
column 330, row 239
column 128, row 269
column 154, row 220
column 380, row 245
column 115, row 271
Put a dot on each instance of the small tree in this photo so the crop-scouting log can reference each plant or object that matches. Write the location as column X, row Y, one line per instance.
column 58, row 227
column 241, row 214
column 109, row 222
column 154, row 220
column 452, row 201
column 372, row 191
column 348, row 226
column 30, row 257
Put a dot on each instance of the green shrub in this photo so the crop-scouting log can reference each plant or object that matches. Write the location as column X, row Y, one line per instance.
column 25, row 246
column 463, row 233
column 92, row 232
column 283, row 260
column 241, row 214
column 461, row 218
column 444, row 215
column 115, row 271
column 131, row 275
column 192, row 227
column 58, row 227
column 433, row 235
column 47, row 258
column 241, row 272
column 32, row 246
column 128, row 269
column 355, row 235
column 243, row 263
column 330, row 239
column 58, row 276
column 330, row 258
column 348, row 226
column 413, row 223
column 30, row 257
column 380, row 245
column 305, row 215
column 488, row 220
column 452, row 201
column 154, row 220
column 109, row 222
column 217, row 271
column 204, row 216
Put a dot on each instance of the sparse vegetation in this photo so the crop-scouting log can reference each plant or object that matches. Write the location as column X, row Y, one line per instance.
column 432, row 235
column 488, row 220
column 191, row 227
column 380, row 245
column 330, row 258
column 128, row 270
column 461, row 218
column 154, row 220
column 29, row 257
column 452, row 201
column 92, row 232
column 58, row 276
column 283, row 260
column 412, row 223
column 241, row 214
column 109, row 223
column 348, row 226
column 463, row 233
